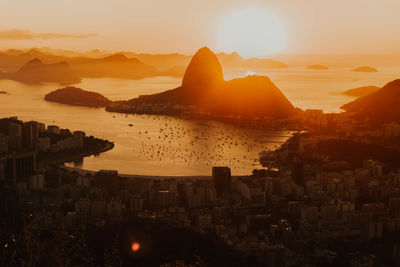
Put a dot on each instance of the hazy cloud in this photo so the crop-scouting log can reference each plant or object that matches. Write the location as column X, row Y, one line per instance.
column 18, row 34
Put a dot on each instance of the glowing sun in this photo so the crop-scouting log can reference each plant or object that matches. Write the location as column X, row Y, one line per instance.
column 252, row 32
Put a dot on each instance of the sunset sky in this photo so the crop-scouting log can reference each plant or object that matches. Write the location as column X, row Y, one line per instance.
column 160, row 26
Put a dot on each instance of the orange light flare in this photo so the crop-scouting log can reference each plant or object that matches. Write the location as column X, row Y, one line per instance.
column 135, row 246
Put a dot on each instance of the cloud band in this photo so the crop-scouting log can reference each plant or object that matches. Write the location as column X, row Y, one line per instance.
column 18, row 34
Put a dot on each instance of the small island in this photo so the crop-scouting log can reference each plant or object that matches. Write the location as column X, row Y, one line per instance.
column 361, row 91
column 317, row 67
column 365, row 69
column 77, row 97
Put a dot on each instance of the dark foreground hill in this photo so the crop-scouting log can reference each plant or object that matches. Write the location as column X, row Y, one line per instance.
column 160, row 244
column 380, row 106
column 77, row 97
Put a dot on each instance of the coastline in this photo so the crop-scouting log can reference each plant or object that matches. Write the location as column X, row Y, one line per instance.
column 142, row 176
column 284, row 124
column 157, row 177
column 60, row 161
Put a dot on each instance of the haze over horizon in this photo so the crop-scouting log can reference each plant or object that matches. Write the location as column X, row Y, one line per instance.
column 184, row 26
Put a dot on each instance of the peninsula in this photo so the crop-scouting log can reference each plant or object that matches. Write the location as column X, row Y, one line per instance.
column 204, row 91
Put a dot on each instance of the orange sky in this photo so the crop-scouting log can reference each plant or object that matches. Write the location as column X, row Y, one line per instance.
column 311, row 26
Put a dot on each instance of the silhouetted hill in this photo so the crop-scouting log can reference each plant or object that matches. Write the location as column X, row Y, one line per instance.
column 115, row 66
column 380, row 106
column 230, row 60
column 252, row 96
column 317, row 67
column 96, row 53
column 126, row 65
column 361, row 91
column 35, row 71
column 77, row 97
column 17, row 58
column 117, row 58
column 160, row 61
column 365, row 69
column 161, row 243
column 204, row 70
column 92, row 64
column 204, row 89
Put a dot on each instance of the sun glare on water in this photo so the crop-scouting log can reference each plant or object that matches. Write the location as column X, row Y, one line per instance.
column 252, row 32
column 250, row 73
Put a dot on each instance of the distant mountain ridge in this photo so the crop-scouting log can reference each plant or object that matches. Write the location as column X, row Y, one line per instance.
column 166, row 64
column 204, row 70
column 114, row 66
column 35, row 71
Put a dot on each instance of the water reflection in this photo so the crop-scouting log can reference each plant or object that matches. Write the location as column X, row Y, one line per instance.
column 158, row 145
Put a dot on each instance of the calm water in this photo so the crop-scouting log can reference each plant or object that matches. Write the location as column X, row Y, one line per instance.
column 158, row 145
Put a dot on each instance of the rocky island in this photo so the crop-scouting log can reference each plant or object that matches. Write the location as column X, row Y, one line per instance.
column 365, row 69
column 361, row 91
column 77, row 97
column 204, row 91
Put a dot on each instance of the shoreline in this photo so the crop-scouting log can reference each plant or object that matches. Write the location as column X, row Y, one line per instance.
column 142, row 176
column 64, row 159
column 155, row 177
column 279, row 124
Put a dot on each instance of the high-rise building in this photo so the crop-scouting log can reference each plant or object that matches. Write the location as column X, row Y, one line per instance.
column 3, row 163
column 15, row 136
column 106, row 178
column 298, row 172
column 222, row 180
column 30, row 134
column 20, row 166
